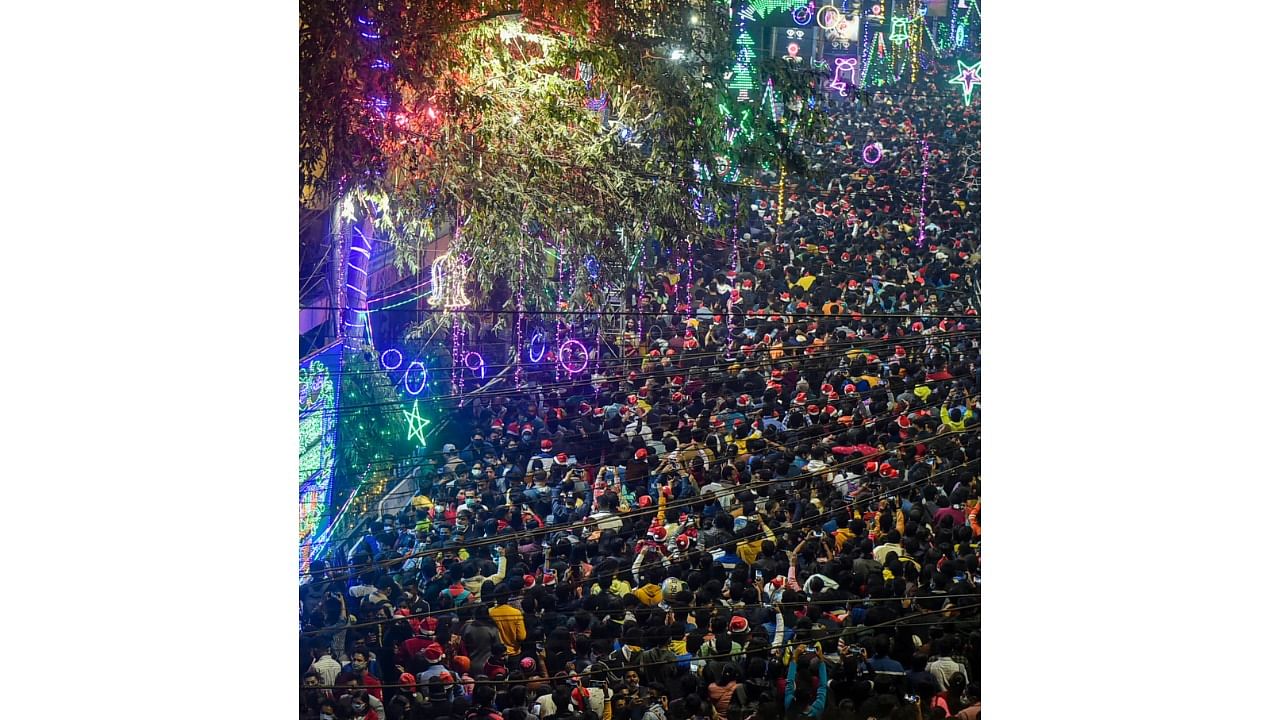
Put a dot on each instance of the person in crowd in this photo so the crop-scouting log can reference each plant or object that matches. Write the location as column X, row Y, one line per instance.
column 762, row 501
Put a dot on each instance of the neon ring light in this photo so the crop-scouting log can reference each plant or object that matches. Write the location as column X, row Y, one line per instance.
column 477, row 366
column 829, row 17
column 399, row 359
column 566, row 364
column 867, row 157
column 421, row 385
column 802, row 15
column 539, row 342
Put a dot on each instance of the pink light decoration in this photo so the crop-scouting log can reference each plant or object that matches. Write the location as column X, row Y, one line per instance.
column 563, row 355
column 866, row 151
column 843, row 64
column 477, row 366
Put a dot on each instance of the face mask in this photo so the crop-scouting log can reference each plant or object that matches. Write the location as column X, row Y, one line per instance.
column 358, row 707
column 326, row 716
column 359, row 667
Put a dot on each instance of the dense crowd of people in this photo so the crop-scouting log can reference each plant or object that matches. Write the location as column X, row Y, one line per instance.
column 769, row 507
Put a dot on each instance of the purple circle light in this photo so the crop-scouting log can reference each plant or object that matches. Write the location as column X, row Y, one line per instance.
column 563, row 354
column 866, row 154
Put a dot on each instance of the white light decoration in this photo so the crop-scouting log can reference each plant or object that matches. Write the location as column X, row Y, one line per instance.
column 448, row 282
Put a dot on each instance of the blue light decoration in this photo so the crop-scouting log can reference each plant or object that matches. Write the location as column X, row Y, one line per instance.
column 355, row 316
column 592, row 266
column 537, row 347
column 803, row 15
column 422, row 376
column 317, row 450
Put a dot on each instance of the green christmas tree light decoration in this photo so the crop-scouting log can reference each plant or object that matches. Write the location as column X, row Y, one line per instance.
column 879, row 69
column 743, row 80
column 373, row 434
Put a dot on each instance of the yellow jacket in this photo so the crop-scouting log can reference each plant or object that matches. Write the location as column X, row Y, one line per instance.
column 510, row 622
column 748, row 551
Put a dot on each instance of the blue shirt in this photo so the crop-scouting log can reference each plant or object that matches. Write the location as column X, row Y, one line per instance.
column 884, row 664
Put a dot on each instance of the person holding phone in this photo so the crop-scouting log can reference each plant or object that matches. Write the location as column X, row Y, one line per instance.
column 803, row 701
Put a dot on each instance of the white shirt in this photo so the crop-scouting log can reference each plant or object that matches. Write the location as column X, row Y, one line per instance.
column 328, row 668
column 596, row 698
column 943, row 668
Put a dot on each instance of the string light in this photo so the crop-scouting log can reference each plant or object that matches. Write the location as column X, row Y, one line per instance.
column 448, row 282
column 924, row 187
column 317, row 436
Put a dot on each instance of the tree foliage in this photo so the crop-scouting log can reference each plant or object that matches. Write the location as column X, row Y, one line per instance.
column 491, row 126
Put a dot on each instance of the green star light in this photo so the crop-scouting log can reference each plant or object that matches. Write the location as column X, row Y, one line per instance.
column 970, row 76
column 417, row 424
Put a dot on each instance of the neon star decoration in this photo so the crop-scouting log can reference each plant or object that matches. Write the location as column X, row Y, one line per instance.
column 970, row 77
column 448, row 282
column 417, row 423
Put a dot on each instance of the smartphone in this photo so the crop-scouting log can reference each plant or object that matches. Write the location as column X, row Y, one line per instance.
column 536, row 709
column 759, row 576
column 911, row 698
